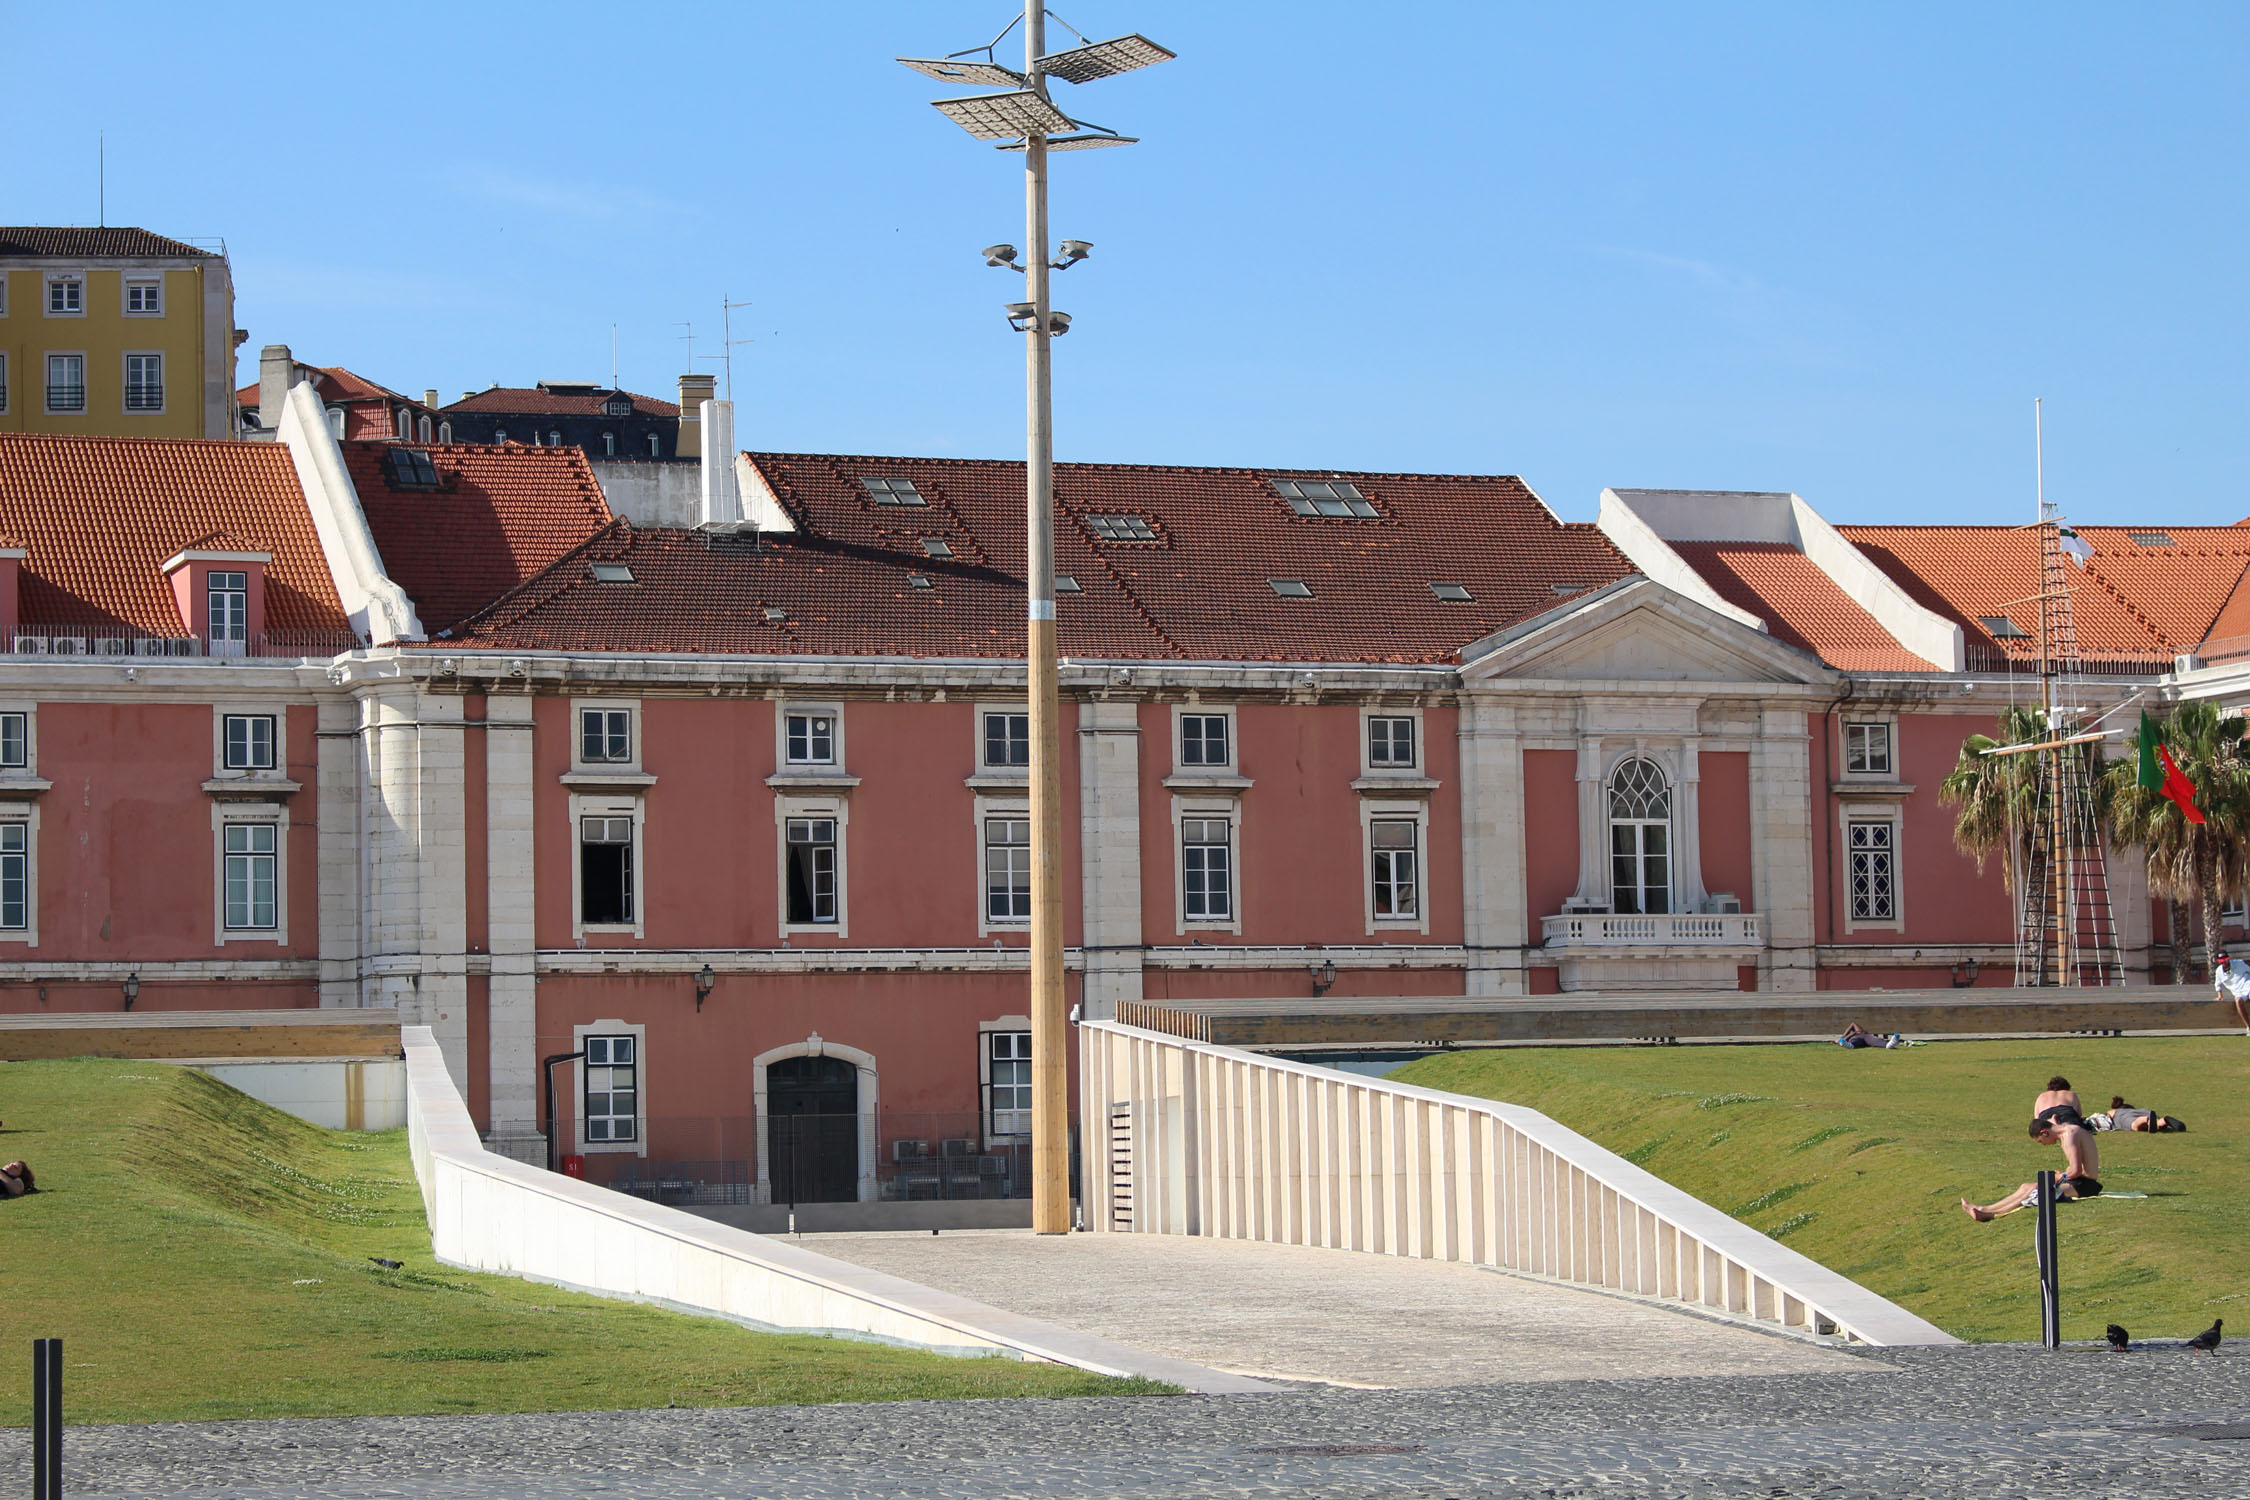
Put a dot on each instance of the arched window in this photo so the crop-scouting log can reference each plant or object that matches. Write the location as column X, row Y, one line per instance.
column 1640, row 839
column 445, row 432
column 336, row 422
column 653, row 450
column 424, row 425
column 554, row 440
column 405, row 425
column 609, row 445
column 499, row 434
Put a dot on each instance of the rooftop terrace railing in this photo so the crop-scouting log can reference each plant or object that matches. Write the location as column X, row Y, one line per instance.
column 91, row 642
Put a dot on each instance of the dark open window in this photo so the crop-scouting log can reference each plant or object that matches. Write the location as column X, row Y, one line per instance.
column 605, row 872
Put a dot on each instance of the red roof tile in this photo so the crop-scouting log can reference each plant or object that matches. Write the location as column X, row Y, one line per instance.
column 520, row 401
column 1801, row 605
column 100, row 515
column 499, row 516
column 67, row 242
column 1201, row 591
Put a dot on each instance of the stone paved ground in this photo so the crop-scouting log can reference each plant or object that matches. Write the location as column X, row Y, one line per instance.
column 1997, row 1423
column 1339, row 1316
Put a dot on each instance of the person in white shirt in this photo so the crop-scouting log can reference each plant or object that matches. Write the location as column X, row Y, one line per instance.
column 2232, row 979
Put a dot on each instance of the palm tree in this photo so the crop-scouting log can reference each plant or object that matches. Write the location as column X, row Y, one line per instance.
column 2202, row 862
column 1997, row 794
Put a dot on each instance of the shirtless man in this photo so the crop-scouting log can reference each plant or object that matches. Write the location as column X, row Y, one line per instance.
column 2080, row 1160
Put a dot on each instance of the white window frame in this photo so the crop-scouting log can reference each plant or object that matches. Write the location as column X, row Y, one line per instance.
column 1418, row 812
column 336, row 423
column 1182, row 712
column 986, row 767
column 655, row 449
column 126, row 386
column 221, row 712
column 986, row 1031
column 609, row 445
column 1675, row 882
column 631, row 708
column 30, row 767
column 584, row 805
column 1368, row 767
column 1184, row 809
column 1844, row 726
column 85, row 404
column 837, row 809
column 580, row 1145
column 27, row 813
column 229, row 644
column 445, row 432
column 223, row 815
column 1893, row 813
column 132, row 280
column 996, row 807
column 783, row 711
column 47, row 294
column 422, row 426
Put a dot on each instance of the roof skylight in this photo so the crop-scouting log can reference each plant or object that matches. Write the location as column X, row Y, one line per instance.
column 1065, row 584
column 1451, row 593
column 1290, row 588
column 1324, row 497
column 2003, row 628
column 411, row 469
column 2152, row 538
column 612, row 573
column 918, row 580
column 936, row 546
column 1112, row 528
column 886, row 491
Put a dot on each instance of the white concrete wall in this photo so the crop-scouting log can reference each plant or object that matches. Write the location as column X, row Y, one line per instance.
column 1645, row 548
column 1232, row 1144
column 379, row 608
column 1924, row 632
column 652, row 492
column 488, row 1213
column 338, row 1093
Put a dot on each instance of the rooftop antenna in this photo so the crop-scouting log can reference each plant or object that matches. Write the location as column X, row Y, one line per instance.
column 690, row 337
column 725, row 357
column 613, row 356
column 101, row 179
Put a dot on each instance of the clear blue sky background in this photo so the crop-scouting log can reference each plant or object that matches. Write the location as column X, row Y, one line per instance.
column 1823, row 248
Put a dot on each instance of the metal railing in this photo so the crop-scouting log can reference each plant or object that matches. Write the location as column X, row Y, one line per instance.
column 1619, row 929
column 1216, row 1141
column 144, row 398
column 901, row 1156
column 113, row 642
column 66, row 398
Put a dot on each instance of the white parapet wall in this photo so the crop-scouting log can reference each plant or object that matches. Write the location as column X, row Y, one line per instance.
column 339, row 1093
column 488, row 1213
column 1189, row 1138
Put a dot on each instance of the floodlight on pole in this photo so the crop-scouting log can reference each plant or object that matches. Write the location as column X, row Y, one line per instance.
column 957, row 70
column 1024, row 119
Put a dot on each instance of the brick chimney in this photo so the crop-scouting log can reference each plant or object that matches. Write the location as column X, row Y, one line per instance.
column 694, row 391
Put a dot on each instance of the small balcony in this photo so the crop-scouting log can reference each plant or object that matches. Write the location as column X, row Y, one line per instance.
column 1598, row 929
column 66, row 397
column 144, row 398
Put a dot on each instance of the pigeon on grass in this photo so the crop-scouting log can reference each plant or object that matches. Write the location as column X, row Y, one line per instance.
column 2207, row 1342
column 388, row 1265
column 2118, row 1338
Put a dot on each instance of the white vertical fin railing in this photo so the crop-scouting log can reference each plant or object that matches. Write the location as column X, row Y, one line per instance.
column 1217, row 1141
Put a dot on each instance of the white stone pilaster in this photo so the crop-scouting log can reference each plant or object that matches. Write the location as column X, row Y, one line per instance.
column 1495, row 918
column 337, row 763
column 440, row 830
column 1109, row 809
column 1593, row 829
column 512, row 1014
column 1781, row 846
column 1687, row 817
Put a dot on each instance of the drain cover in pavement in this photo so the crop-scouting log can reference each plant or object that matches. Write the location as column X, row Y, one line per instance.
column 2209, row 1432
column 1338, row 1450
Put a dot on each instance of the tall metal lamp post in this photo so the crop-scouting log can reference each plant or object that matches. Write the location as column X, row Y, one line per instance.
column 1022, row 118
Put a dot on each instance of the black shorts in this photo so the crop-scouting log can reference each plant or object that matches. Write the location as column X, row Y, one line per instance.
column 2080, row 1187
column 2060, row 1114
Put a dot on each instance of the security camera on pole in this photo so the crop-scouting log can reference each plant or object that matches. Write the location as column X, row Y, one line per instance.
column 1023, row 118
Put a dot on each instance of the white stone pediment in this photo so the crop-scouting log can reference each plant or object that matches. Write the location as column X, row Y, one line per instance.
column 1639, row 631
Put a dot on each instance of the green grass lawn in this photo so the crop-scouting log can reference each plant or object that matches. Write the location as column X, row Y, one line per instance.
column 1858, row 1159
column 204, row 1257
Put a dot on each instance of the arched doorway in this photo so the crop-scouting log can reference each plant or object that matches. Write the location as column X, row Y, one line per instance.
column 812, row 1129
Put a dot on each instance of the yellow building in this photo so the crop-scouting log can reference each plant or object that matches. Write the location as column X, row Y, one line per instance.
column 115, row 331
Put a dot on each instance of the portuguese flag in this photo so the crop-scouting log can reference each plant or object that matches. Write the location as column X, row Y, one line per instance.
column 2169, row 780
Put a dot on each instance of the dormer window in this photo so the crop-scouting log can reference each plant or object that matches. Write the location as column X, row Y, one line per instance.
column 229, row 612
column 409, row 468
column 618, row 406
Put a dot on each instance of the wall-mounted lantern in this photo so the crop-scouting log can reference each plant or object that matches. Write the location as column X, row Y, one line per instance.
column 704, row 980
column 1324, row 977
column 132, row 988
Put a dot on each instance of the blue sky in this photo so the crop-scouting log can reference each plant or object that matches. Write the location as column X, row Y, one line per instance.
column 1823, row 248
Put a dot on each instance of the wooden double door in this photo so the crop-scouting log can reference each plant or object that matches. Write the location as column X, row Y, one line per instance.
column 812, row 1130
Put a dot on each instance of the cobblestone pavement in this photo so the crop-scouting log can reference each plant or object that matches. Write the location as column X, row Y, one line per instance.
column 1302, row 1313
column 1998, row 1423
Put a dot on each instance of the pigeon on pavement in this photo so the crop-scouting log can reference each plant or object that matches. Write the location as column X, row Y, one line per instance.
column 2207, row 1342
column 2119, row 1339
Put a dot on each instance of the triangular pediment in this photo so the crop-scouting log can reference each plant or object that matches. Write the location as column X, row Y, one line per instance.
column 1639, row 631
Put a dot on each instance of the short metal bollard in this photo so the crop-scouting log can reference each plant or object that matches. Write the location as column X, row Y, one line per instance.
column 2050, row 1277
column 46, row 1419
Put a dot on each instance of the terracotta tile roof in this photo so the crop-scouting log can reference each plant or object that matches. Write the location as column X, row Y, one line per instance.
column 66, row 242
column 1200, row 591
column 499, row 515
column 99, row 515
column 1801, row 605
column 2131, row 602
column 513, row 401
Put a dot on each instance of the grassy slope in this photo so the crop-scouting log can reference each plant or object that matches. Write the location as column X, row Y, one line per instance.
column 1858, row 1160
column 206, row 1257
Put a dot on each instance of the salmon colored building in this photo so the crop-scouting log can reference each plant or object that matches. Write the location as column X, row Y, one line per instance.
column 729, row 822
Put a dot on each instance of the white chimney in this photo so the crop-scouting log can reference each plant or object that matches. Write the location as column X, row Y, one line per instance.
column 722, row 503
column 276, row 373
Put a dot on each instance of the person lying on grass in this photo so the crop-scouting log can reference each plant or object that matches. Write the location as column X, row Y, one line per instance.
column 2080, row 1162
column 2123, row 1116
column 16, row 1180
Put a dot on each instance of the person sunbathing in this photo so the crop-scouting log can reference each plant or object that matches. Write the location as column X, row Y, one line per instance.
column 2123, row 1116
column 16, row 1179
column 2081, row 1160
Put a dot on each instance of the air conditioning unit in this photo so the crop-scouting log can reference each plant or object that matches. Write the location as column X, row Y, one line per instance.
column 1723, row 903
column 31, row 645
column 67, row 645
column 2187, row 662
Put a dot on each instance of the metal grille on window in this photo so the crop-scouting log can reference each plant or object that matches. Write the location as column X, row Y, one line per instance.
column 613, row 1089
column 1397, row 867
column 1009, row 1096
column 1640, row 839
column 15, row 876
column 812, row 740
column 1867, row 748
column 66, row 382
column 1007, row 869
column 1873, row 876
column 812, row 870
column 1007, row 739
column 605, row 735
column 1390, row 741
column 605, row 871
column 250, row 876
column 1206, row 870
column 1203, row 740
column 249, row 742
